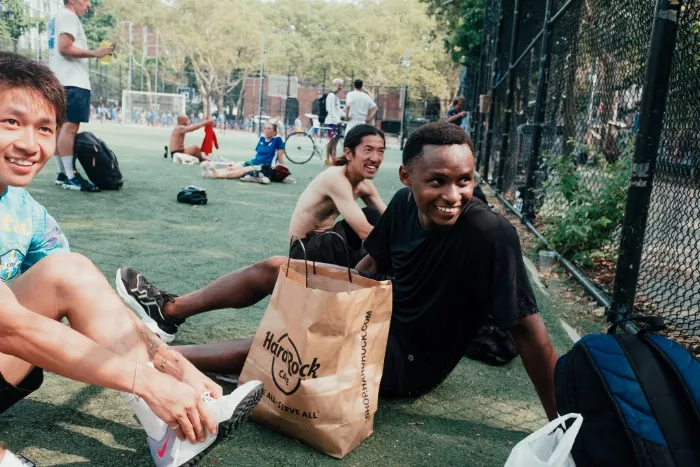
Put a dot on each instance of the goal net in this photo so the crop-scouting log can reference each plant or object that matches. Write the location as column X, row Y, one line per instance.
column 148, row 107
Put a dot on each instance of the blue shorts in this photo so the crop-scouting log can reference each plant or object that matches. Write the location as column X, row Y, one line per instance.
column 331, row 130
column 77, row 105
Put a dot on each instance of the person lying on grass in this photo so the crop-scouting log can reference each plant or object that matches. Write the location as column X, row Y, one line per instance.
column 105, row 344
column 452, row 261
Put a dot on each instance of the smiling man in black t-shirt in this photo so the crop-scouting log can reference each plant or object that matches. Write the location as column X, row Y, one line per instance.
column 453, row 262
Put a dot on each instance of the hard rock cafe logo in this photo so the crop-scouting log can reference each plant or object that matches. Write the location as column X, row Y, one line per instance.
column 288, row 370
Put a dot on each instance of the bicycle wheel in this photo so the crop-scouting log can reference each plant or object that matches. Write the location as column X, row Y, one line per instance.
column 299, row 148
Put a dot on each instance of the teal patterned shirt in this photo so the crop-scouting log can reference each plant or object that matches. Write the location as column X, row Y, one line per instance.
column 27, row 233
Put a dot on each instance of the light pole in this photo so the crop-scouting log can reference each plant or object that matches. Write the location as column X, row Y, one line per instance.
column 260, row 99
column 131, row 49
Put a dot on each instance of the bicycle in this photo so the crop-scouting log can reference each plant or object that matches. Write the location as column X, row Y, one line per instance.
column 301, row 146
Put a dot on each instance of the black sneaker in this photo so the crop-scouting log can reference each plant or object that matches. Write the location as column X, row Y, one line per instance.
column 61, row 180
column 147, row 302
column 78, row 183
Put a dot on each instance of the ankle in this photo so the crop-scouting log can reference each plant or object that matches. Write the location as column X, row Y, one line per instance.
column 170, row 310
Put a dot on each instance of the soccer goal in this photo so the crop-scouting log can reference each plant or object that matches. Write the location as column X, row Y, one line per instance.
column 140, row 107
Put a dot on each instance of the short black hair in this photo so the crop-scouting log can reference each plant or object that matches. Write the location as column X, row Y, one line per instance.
column 354, row 138
column 458, row 100
column 18, row 72
column 358, row 84
column 441, row 133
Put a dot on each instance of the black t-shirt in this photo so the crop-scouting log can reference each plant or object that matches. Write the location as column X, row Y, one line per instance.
column 447, row 281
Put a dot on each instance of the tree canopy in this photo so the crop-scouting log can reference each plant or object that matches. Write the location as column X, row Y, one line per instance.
column 386, row 42
column 460, row 23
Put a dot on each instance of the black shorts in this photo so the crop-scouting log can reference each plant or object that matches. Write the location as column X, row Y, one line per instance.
column 77, row 105
column 330, row 249
column 407, row 373
column 10, row 395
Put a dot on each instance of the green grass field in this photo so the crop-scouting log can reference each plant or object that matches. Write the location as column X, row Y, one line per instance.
column 473, row 419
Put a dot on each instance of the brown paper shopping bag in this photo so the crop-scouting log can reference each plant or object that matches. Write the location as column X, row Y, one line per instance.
column 319, row 351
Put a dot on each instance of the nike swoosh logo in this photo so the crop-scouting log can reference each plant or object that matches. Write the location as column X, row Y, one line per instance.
column 161, row 453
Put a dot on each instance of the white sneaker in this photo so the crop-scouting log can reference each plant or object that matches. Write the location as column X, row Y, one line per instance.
column 230, row 412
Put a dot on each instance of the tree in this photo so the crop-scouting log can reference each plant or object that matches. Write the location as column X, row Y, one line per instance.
column 15, row 20
column 461, row 23
column 98, row 23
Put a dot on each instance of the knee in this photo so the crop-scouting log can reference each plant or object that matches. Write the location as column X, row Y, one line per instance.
column 68, row 269
column 270, row 267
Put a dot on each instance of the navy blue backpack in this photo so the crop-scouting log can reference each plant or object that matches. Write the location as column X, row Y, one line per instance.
column 640, row 400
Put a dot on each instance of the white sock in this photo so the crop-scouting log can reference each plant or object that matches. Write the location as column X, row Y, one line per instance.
column 155, row 427
column 59, row 165
column 10, row 460
column 67, row 162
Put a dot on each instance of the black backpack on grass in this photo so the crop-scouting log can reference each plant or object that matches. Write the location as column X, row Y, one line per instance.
column 98, row 161
column 639, row 396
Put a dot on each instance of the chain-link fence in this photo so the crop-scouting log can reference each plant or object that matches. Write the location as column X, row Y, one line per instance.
column 669, row 281
column 561, row 142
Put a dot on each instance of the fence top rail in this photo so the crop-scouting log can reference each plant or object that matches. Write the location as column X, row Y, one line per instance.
column 528, row 49
column 562, row 11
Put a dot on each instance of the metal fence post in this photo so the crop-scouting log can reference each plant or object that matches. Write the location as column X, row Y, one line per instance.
column 654, row 97
column 510, row 97
column 540, row 107
column 492, row 110
column 477, row 118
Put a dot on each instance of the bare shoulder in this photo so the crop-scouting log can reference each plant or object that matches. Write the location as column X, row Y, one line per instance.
column 367, row 187
column 333, row 177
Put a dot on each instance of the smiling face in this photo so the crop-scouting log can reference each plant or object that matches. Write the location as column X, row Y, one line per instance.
column 367, row 157
column 442, row 182
column 27, row 136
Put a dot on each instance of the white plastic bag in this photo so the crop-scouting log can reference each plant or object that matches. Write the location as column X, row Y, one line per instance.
column 549, row 446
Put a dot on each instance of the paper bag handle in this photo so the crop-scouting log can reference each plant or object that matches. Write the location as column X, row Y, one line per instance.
column 295, row 238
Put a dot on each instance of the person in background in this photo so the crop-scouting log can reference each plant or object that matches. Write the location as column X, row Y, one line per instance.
column 177, row 137
column 457, row 113
column 360, row 108
column 334, row 118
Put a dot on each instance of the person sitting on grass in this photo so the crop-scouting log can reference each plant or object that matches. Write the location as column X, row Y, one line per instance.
column 453, row 261
column 331, row 194
column 270, row 146
column 105, row 344
column 177, row 137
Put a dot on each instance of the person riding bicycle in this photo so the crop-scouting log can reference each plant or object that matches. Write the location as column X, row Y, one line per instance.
column 333, row 120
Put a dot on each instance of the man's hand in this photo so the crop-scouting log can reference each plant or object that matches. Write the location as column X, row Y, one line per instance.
column 104, row 51
column 177, row 404
column 208, row 120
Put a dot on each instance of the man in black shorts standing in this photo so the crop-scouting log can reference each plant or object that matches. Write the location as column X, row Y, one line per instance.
column 453, row 262
column 68, row 59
